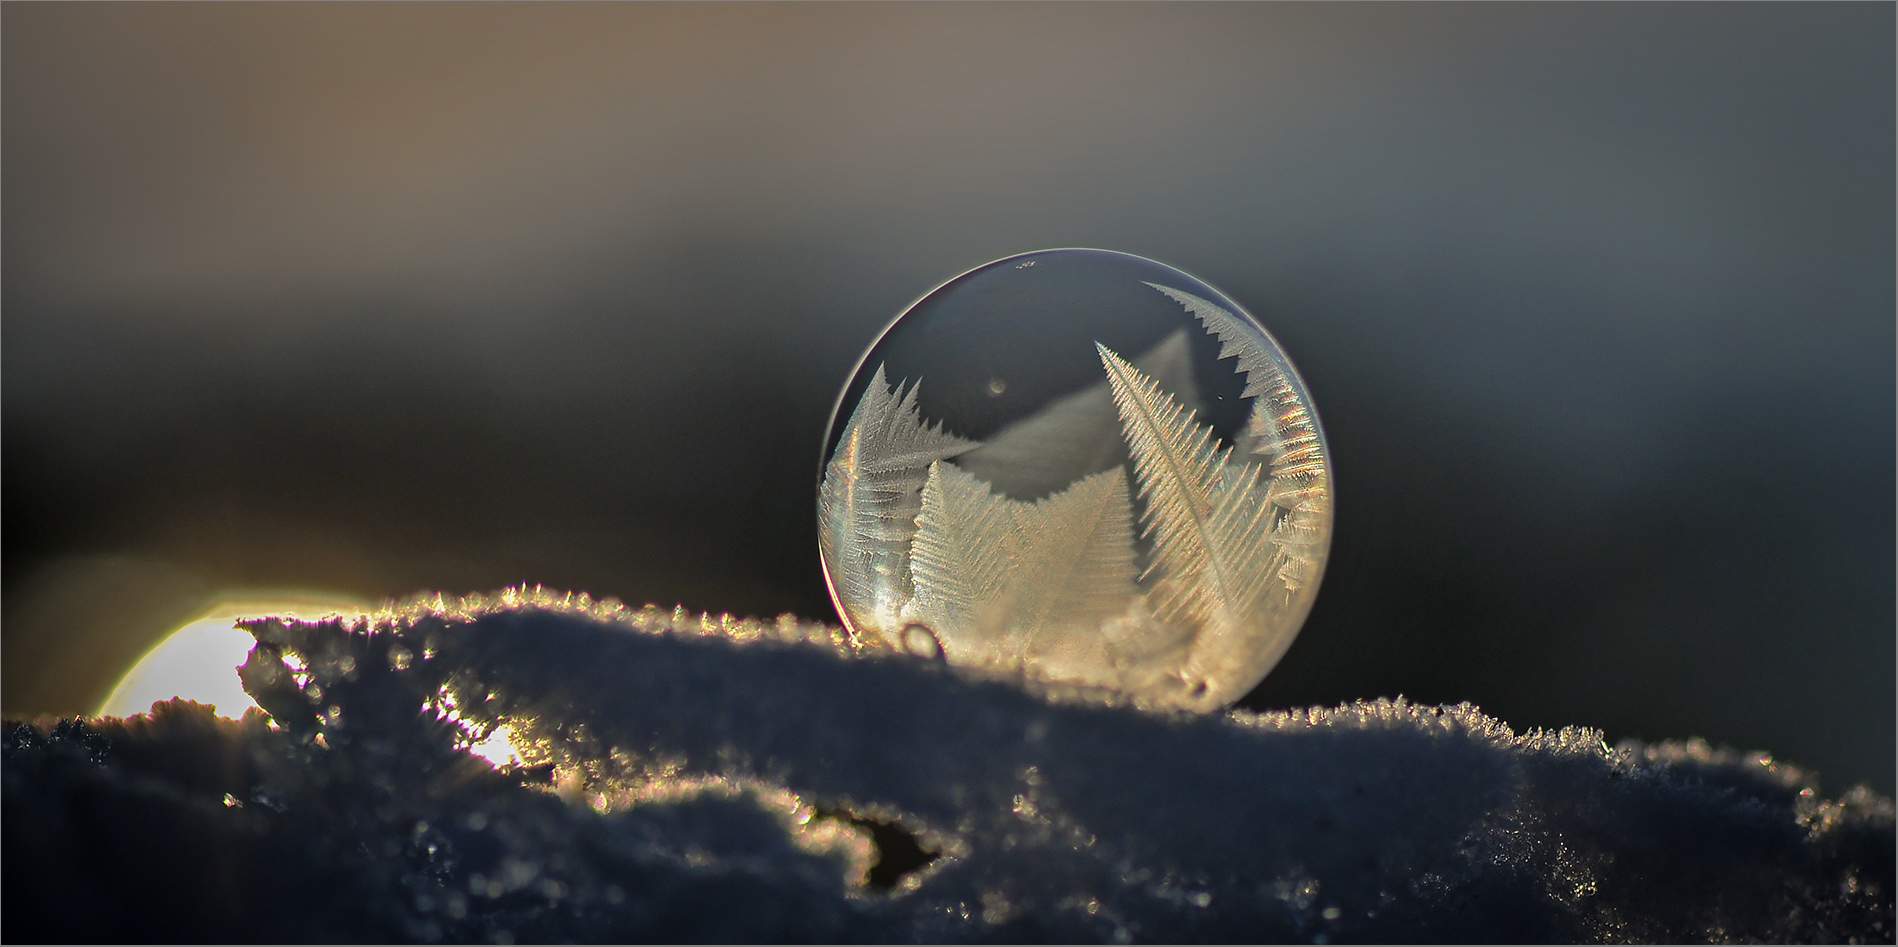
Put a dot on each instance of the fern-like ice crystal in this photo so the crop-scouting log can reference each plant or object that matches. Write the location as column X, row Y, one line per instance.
column 870, row 496
column 1011, row 584
column 1236, row 536
column 1279, row 432
column 1209, row 523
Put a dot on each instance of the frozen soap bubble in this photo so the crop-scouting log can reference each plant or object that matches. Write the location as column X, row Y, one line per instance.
column 1084, row 467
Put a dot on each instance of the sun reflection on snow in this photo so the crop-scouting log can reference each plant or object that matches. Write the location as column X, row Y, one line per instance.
column 199, row 661
column 498, row 745
column 497, row 748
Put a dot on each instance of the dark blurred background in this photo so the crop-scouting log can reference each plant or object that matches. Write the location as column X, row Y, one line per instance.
column 1596, row 303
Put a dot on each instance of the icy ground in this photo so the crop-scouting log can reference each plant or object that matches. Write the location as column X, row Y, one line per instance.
column 701, row 778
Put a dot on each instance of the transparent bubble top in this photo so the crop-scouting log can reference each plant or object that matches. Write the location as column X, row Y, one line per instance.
column 1082, row 467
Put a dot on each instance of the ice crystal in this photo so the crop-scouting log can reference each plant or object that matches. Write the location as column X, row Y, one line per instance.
column 1017, row 554
column 1214, row 559
column 1076, row 434
column 1008, row 584
column 871, row 496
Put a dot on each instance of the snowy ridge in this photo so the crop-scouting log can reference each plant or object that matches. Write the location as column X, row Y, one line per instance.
column 697, row 777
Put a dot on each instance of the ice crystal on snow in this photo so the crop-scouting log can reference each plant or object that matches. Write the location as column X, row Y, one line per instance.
column 1016, row 554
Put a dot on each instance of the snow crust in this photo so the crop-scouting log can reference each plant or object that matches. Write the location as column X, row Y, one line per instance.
column 698, row 777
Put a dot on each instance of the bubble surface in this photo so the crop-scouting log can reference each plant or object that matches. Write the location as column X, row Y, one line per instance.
column 1084, row 467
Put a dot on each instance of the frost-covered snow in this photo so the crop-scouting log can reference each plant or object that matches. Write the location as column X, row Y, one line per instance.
column 703, row 778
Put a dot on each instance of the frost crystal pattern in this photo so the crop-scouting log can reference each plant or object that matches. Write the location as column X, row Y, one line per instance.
column 1112, row 481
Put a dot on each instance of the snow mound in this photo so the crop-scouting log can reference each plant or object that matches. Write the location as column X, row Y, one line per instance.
column 682, row 777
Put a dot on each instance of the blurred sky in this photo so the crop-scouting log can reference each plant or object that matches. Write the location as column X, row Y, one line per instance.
column 1596, row 303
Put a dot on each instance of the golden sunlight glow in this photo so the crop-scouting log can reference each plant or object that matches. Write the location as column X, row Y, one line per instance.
column 199, row 661
column 498, row 748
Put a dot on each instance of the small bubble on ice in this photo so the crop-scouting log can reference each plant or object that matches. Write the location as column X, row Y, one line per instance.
column 920, row 641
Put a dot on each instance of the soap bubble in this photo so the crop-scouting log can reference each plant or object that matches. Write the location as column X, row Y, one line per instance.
column 1084, row 467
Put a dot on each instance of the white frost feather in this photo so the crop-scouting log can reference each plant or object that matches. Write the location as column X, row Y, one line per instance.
column 868, row 502
column 1010, row 584
column 1209, row 523
column 1280, row 432
column 1076, row 434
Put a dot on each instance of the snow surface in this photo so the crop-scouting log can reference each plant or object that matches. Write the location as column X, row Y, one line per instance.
column 706, row 778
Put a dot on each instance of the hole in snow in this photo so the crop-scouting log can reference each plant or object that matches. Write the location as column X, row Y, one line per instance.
column 899, row 853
